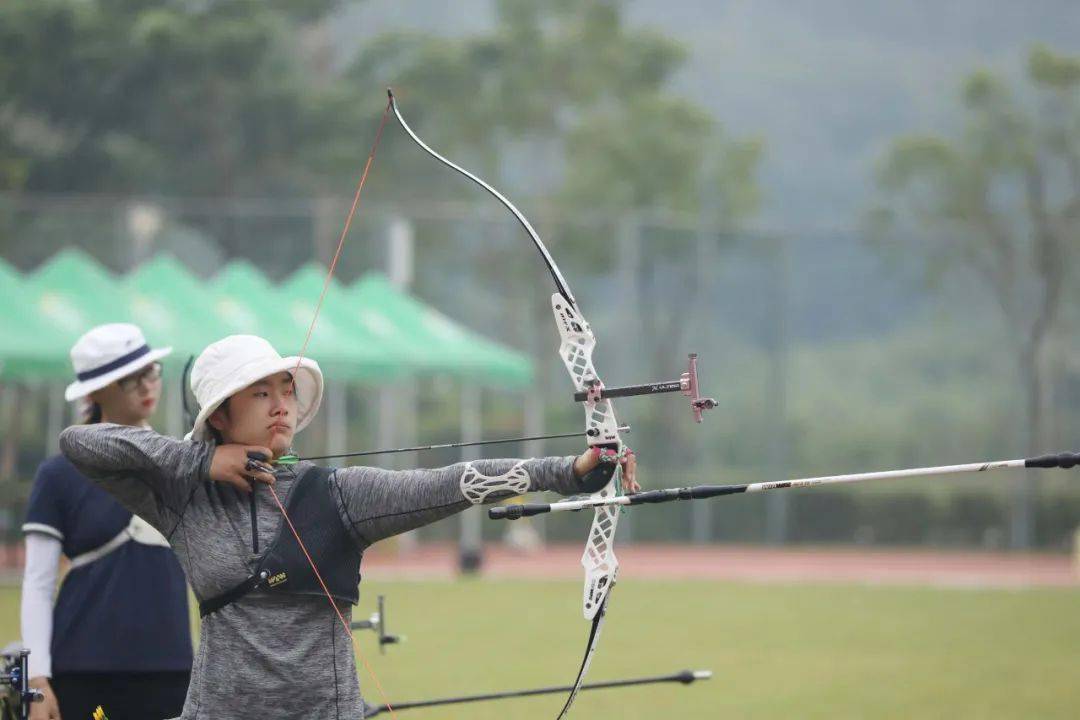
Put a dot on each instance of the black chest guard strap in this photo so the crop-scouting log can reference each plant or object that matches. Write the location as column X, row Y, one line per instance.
column 283, row 568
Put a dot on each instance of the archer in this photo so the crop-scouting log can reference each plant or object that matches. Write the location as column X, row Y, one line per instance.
column 265, row 546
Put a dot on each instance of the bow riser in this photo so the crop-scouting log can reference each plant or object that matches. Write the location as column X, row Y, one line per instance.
column 602, row 428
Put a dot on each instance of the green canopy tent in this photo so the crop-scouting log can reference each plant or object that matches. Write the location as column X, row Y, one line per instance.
column 463, row 353
column 70, row 294
column 167, row 299
column 243, row 299
column 283, row 316
column 28, row 350
column 75, row 293
column 370, row 332
column 339, row 311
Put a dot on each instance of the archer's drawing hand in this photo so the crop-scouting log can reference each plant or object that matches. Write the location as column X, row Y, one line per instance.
column 594, row 456
column 238, row 465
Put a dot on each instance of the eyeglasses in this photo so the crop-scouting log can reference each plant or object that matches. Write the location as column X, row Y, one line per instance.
column 150, row 374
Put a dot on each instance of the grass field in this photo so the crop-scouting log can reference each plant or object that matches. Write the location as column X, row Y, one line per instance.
column 778, row 651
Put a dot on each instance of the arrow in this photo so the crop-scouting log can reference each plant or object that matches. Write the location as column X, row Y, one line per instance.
column 293, row 459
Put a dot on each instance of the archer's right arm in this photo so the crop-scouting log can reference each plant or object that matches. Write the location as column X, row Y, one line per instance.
column 151, row 475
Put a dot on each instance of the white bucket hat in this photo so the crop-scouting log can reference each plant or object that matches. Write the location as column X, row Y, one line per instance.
column 107, row 353
column 229, row 365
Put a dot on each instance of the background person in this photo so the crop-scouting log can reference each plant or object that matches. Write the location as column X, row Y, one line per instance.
column 118, row 634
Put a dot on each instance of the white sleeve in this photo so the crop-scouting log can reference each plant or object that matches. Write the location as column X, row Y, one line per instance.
column 39, row 586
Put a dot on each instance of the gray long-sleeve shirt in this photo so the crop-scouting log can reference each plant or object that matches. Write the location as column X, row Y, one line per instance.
column 269, row 656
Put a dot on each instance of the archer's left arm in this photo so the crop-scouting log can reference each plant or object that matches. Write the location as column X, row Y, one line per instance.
column 378, row 504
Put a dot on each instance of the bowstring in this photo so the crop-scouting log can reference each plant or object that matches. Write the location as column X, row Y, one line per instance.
column 299, row 359
column 344, row 234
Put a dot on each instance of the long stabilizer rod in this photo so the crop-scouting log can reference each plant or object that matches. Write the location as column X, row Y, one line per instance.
column 700, row 492
column 685, row 677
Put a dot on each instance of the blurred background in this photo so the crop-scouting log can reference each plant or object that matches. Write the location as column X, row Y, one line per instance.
column 864, row 217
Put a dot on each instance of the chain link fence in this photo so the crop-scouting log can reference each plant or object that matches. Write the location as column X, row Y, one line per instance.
column 825, row 354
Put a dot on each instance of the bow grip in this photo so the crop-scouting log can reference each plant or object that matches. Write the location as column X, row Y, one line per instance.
column 597, row 479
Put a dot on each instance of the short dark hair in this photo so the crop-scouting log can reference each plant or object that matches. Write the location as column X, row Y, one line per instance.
column 92, row 413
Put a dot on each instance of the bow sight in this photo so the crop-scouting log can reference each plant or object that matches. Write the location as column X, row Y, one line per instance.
column 687, row 384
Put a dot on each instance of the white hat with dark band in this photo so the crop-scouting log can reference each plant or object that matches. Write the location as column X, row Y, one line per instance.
column 229, row 365
column 107, row 353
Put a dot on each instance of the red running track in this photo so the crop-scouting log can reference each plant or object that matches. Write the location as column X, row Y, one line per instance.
column 743, row 563
column 747, row 563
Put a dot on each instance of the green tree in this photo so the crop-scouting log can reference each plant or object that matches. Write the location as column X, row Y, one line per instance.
column 588, row 94
column 137, row 96
column 1003, row 199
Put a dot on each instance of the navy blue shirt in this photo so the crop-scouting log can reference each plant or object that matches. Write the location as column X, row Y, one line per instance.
column 124, row 612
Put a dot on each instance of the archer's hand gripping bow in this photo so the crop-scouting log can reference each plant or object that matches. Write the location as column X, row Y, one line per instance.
column 601, row 427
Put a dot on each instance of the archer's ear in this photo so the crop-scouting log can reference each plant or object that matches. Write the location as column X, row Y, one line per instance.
column 219, row 419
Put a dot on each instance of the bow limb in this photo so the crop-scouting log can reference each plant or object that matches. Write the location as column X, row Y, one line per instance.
column 556, row 275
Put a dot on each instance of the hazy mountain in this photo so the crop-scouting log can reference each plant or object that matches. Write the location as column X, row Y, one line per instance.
column 827, row 83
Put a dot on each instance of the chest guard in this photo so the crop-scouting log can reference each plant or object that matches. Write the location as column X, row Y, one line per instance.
column 283, row 569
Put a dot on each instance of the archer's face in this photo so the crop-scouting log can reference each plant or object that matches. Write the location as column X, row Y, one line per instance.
column 263, row 413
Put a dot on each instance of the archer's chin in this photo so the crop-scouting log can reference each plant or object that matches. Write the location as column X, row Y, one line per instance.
column 280, row 441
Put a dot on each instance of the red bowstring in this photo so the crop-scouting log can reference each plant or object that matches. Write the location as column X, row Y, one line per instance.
column 344, row 234
column 299, row 359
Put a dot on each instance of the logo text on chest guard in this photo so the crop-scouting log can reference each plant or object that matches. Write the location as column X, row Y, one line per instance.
column 277, row 579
